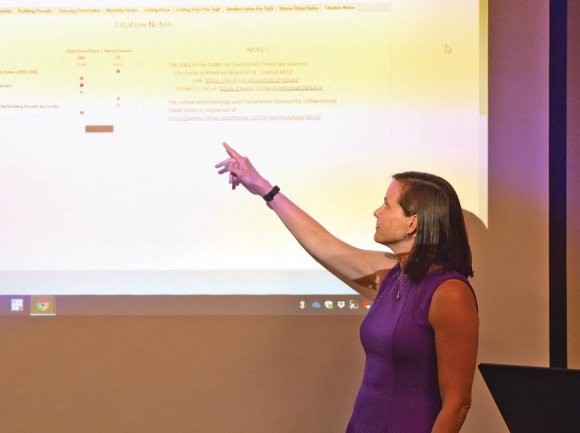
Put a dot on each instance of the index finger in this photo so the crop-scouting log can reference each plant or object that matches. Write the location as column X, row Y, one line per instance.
column 231, row 151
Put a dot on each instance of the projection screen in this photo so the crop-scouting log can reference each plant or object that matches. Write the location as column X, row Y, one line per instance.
column 113, row 116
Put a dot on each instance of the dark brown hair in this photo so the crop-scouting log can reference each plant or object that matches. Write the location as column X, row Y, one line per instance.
column 441, row 237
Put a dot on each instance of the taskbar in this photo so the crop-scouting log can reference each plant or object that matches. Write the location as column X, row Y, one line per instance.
column 182, row 305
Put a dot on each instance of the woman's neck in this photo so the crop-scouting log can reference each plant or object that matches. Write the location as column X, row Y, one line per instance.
column 402, row 258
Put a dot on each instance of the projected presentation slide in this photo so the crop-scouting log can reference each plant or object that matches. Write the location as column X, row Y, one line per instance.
column 113, row 118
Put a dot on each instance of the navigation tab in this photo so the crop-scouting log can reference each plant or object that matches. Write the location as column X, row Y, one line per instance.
column 336, row 8
column 127, row 10
column 205, row 9
column 300, row 8
column 254, row 9
column 157, row 10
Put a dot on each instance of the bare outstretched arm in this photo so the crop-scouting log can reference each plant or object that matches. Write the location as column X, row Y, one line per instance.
column 362, row 270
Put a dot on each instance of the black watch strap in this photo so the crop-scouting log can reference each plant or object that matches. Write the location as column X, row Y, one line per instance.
column 270, row 196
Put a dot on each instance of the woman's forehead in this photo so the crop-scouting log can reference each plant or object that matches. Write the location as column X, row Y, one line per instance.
column 394, row 191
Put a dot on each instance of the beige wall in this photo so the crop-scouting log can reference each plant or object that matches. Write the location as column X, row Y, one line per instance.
column 573, row 172
column 290, row 374
column 512, row 262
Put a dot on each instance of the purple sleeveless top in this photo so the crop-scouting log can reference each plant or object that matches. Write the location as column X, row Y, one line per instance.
column 400, row 391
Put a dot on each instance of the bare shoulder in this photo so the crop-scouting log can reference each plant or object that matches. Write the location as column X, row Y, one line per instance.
column 452, row 300
column 453, row 291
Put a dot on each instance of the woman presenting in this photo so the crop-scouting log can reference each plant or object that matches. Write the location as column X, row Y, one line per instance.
column 420, row 336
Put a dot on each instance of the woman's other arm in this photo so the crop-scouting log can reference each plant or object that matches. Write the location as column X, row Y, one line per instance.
column 453, row 316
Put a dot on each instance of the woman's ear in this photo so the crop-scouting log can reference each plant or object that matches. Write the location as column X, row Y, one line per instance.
column 412, row 224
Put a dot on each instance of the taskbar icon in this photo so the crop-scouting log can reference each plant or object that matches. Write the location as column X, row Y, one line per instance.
column 42, row 305
column 13, row 305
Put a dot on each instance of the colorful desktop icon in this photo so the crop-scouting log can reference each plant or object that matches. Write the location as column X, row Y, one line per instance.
column 17, row 304
column 329, row 305
column 340, row 304
column 352, row 305
column 366, row 305
column 43, row 305
column 316, row 304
